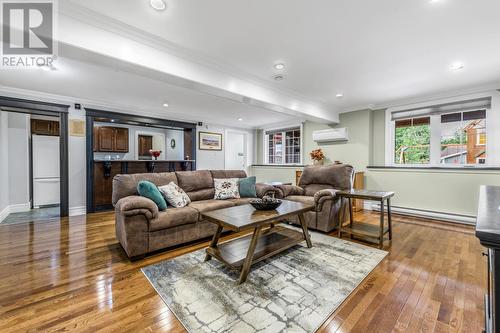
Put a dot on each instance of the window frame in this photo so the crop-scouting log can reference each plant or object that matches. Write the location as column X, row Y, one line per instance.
column 265, row 143
column 435, row 142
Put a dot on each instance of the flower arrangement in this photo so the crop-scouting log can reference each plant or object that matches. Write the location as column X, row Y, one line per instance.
column 317, row 155
column 155, row 153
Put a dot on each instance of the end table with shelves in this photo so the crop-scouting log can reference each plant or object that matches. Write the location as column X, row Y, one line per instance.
column 362, row 229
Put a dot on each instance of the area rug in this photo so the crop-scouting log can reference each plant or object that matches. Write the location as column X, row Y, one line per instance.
column 295, row 291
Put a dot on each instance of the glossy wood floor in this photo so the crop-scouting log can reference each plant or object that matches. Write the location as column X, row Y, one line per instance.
column 72, row 275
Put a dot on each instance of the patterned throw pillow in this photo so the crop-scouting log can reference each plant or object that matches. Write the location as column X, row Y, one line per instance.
column 226, row 188
column 175, row 195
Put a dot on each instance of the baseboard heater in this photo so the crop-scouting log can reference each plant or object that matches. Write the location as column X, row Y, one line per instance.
column 457, row 218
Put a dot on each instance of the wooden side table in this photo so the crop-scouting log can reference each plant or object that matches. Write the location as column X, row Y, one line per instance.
column 365, row 229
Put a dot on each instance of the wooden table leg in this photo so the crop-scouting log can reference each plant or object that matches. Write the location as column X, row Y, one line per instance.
column 341, row 217
column 351, row 216
column 389, row 219
column 214, row 242
column 307, row 237
column 381, row 233
column 248, row 260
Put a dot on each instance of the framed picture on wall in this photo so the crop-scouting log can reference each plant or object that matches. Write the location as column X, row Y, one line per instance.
column 210, row 141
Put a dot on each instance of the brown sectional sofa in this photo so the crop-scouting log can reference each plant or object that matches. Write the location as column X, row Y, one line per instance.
column 141, row 228
column 318, row 185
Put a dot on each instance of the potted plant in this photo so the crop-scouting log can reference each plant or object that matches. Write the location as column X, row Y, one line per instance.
column 317, row 156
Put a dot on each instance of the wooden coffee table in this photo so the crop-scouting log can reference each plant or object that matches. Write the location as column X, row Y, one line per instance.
column 266, row 239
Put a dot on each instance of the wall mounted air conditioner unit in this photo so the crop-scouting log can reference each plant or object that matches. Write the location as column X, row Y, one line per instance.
column 331, row 135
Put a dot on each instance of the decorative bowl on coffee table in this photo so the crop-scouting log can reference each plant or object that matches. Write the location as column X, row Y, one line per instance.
column 261, row 204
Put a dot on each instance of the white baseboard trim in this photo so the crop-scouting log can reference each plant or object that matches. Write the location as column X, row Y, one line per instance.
column 4, row 213
column 75, row 211
column 463, row 219
column 19, row 208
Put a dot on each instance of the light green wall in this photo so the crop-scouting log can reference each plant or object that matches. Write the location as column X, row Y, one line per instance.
column 356, row 151
column 378, row 138
column 446, row 191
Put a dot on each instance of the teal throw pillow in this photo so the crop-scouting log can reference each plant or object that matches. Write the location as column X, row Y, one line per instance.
column 247, row 187
column 149, row 190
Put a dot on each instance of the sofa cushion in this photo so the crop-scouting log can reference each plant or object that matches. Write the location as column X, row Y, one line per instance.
column 175, row 195
column 226, row 188
column 240, row 201
column 247, row 187
column 209, row 205
column 199, row 185
column 149, row 190
column 173, row 217
column 228, row 173
column 301, row 198
column 338, row 176
column 125, row 185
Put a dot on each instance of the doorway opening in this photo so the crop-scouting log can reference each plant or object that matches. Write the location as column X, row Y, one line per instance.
column 34, row 160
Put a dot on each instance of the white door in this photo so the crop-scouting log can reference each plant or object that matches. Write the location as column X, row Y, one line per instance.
column 236, row 151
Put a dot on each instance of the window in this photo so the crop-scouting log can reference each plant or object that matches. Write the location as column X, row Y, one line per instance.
column 412, row 141
column 463, row 138
column 456, row 138
column 283, row 146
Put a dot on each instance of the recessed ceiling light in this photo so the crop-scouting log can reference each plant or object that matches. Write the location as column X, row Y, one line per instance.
column 339, row 95
column 278, row 77
column 240, row 119
column 456, row 66
column 279, row 66
column 158, row 4
column 165, row 105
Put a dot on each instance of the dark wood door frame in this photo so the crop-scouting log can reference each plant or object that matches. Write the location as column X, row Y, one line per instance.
column 93, row 115
column 18, row 105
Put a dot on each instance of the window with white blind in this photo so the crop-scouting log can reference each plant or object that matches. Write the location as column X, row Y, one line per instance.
column 283, row 146
column 451, row 134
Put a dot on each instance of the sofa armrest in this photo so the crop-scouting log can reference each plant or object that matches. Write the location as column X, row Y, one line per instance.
column 323, row 195
column 286, row 190
column 135, row 205
column 264, row 189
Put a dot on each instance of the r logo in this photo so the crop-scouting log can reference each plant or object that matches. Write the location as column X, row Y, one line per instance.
column 27, row 28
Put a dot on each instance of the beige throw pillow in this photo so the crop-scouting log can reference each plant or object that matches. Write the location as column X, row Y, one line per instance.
column 226, row 188
column 174, row 195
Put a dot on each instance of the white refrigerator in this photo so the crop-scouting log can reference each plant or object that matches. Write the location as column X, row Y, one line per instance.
column 45, row 170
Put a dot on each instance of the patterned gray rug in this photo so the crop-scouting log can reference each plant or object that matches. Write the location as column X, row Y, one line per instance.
column 295, row 291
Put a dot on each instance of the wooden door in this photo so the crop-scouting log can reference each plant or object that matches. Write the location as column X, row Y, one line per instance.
column 121, row 140
column 106, row 139
column 145, row 144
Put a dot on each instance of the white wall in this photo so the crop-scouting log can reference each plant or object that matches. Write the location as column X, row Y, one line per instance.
column 214, row 160
column 4, row 167
column 18, row 160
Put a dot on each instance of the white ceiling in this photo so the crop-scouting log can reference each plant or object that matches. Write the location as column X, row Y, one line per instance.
column 107, row 83
column 374, row 52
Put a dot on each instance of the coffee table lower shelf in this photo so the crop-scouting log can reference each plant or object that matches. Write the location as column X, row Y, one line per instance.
column 271, row 241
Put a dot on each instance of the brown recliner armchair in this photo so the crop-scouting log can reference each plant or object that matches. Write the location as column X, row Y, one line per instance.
column 318, row 185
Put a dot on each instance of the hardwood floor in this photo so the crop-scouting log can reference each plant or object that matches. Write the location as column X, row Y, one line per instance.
column 72, row 275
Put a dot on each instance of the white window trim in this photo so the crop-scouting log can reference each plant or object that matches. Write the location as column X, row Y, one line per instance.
column 265, row 144
column 492, row 121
